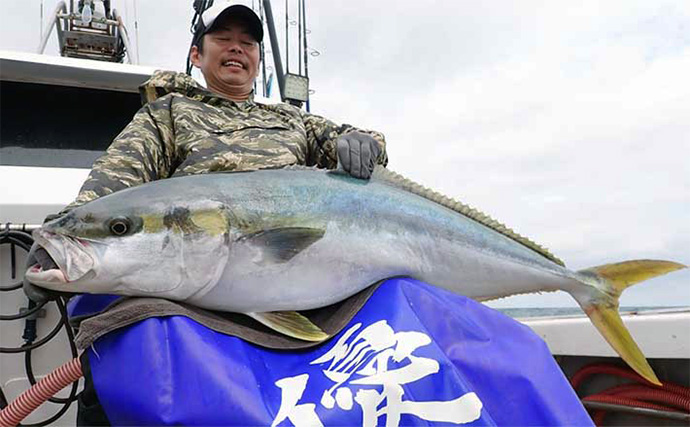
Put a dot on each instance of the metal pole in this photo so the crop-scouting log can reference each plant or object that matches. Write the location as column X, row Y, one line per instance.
column 41, row 27
column 27, row 228
column 304, row 26
column 125, row 37
column 299, row 34
column 638, row 411
column 263, row 53
column 275, row 48
column 61, row 6
column 136, row 28
column 306, row 51
column 287, row 40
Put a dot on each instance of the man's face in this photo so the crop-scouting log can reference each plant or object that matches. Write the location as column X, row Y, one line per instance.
column 230, row 59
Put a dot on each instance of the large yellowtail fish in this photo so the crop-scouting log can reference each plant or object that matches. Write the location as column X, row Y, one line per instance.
column 269, row 243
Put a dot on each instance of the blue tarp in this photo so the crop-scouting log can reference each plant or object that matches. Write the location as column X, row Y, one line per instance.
column 413, row 355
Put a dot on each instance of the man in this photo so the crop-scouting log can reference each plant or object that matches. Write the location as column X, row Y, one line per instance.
column 186, row 129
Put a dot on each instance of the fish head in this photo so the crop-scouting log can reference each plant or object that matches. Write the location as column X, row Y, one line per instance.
column 159, row 249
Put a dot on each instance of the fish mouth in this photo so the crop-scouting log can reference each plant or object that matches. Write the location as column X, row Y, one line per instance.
column 61, row 259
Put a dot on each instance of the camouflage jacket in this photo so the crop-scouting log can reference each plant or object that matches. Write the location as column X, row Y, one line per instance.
column 184, row 129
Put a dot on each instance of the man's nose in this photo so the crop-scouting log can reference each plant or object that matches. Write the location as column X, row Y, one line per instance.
column 235, row 46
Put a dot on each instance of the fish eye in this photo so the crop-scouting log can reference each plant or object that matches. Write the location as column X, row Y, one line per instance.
column 119, row 226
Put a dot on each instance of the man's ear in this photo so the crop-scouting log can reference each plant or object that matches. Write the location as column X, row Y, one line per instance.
column 195, row 56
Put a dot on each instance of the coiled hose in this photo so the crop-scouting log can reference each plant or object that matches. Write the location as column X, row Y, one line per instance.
column 46, row 388
column 668, row 397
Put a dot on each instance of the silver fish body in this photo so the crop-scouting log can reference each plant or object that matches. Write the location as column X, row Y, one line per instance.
column 372, row 231
column 297, row 239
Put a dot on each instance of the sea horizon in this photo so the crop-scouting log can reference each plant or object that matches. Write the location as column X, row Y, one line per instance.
column 524, row 312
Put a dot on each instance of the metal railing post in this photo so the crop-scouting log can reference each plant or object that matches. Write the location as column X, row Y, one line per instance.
column 54, row 21
column 275, row 48
column 125, row 37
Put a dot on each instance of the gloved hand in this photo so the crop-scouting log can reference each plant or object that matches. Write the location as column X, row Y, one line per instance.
column 38, row 255
column 357, row 154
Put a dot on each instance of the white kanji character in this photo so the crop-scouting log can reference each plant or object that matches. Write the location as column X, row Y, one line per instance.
column 302, row 415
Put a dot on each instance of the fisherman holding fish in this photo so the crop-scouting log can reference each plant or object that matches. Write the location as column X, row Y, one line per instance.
column 273, row 242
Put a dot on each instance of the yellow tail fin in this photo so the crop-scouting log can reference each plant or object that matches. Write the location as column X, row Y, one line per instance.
column 601, row 305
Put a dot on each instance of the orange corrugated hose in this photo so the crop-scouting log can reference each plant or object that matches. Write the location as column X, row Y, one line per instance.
column 642, row 394
column 46, row 388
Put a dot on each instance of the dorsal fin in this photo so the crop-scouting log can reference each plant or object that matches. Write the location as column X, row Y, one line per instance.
column 398, row 181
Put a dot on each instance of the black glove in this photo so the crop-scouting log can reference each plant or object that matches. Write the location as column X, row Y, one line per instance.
column 357, row 154
column 38, row 255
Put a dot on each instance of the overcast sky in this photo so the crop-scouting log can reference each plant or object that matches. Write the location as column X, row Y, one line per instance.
column 568, row 121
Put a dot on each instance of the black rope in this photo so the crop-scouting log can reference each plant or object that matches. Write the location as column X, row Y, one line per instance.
column 39, row 343
column 11, row 287
column 14, row 238
column 3, row 399
column 24, row 241
column 23, row 314
column 13, row 259
column 73, row 349
column 66, row 402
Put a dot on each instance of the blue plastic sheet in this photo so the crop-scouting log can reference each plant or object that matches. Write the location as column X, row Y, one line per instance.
column 414, row 355
column 86, row 305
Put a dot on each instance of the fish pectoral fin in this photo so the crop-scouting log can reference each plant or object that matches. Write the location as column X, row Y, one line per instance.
column 292, row 324
column 282, row 244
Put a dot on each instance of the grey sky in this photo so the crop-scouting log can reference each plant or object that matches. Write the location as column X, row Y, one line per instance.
column 568, row 121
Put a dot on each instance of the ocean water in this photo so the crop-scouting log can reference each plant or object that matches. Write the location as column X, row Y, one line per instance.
column 524, row 312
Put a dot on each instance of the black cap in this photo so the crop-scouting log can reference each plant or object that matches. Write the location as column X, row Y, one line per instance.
column 219, row 12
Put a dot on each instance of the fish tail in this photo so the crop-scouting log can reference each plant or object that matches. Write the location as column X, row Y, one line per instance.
column 601, row 305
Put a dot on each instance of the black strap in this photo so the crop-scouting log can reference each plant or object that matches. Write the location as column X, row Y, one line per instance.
column 89, row 409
